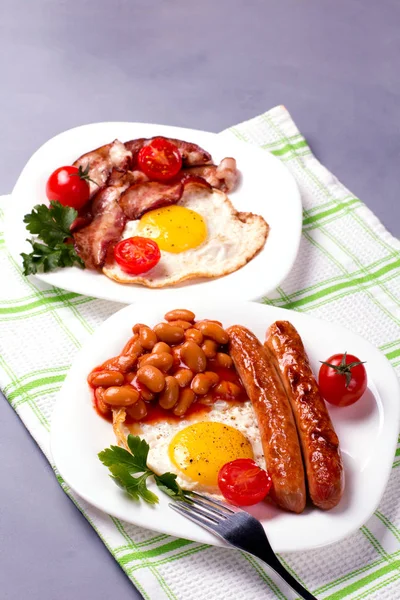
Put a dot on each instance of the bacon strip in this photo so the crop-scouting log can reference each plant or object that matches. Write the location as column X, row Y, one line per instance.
column 120, row 178
column 101, row 161
column 84, row 217
column 223, row 176
column 192, row 154
column 133, row 146
column 142, row 197
column 92, row 241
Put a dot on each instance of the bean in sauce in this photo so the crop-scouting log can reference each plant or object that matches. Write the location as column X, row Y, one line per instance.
column 193, row 392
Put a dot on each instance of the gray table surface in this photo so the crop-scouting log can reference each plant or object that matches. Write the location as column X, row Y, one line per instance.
column 207, row 65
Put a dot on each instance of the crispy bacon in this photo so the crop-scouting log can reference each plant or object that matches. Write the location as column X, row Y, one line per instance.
column 192, row 154
column 119, row 178
column 101, row 161
column 133, row 146
column 92, row 241
column 142, row 197
column 190, row 180
column 227, row 172
column 84, row 217
column 223, row 176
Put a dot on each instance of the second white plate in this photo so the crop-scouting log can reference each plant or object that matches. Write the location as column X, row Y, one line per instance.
column 267, row 188
column 367, row 430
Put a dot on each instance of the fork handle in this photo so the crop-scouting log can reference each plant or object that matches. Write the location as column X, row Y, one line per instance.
column 276, row 565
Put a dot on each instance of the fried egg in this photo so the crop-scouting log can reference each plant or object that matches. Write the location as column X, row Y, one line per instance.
column 175, row 228
column 195, row 449
column 202, row 235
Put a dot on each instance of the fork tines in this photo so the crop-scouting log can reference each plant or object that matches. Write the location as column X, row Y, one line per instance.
column 204, row 510
column 218, row 506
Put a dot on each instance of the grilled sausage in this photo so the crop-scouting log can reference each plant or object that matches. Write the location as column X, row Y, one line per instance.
column 275, row 419
column 318, row 439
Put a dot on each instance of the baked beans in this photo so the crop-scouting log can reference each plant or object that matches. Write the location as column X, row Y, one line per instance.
column 193, row 356
column 170, row 394
column 147, row 338
column 209, row 348
column 176, row 365
column 186, row 398
column 169, row 333
column 151, row 377
column 180, row 314
column 123, row 395
column 161, row 360
column 105, row 378
column 213, row 331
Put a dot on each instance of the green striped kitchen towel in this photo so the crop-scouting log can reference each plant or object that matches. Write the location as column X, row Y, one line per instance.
column 347, row 271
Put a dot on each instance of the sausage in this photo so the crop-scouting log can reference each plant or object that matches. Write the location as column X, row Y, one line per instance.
column 319, row 442
column 279, row 438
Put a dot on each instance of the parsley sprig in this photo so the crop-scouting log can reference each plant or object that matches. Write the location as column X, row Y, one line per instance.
column 123, row 465
column 52, row 225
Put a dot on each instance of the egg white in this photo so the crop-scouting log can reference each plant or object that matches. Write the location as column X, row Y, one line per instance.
column 159, row 436
column 233, row 238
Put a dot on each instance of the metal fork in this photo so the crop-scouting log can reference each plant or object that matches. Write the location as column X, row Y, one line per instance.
column 239, row 529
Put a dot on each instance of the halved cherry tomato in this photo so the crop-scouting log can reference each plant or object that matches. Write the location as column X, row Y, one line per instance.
column 160, row 160
column 69, row 185
column 137, row 255
column 243, row 483
column 342, row 379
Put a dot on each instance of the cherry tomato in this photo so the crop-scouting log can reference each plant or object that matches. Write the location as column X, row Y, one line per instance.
column 342, row 379
column 160, row 160
column 69, row 185
column 243, row 483
column 137, row 255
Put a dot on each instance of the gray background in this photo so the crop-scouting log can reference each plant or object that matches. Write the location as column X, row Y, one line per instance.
column 208, row 65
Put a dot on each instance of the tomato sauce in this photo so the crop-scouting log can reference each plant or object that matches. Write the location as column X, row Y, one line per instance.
column 230, row 375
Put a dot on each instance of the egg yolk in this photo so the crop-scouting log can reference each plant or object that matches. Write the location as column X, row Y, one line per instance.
column 201, row 449
column 174, row 228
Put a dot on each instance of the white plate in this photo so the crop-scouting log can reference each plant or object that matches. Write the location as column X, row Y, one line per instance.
column 367, row 430
column 267, row 189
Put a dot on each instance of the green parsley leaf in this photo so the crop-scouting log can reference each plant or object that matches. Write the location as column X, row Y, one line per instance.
column 136, row 487
column 46, row 258
column 114, row 455
column 139, row 448
column 144, row 492
column 122, row 464
column 124, row 480
column 167, row 484
column 52, row 224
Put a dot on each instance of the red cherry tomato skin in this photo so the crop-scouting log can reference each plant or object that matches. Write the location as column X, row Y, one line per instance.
column 137, row 255
column 65, row 186
column 243, row 483
column 332, row 384
column 160, row 160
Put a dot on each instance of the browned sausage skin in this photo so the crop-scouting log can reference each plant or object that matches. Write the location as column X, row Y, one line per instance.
column 318, row 439
column 274, row 415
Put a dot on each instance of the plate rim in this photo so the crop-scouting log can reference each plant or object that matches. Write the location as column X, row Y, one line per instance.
column 113, row 289
column 394, row 384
